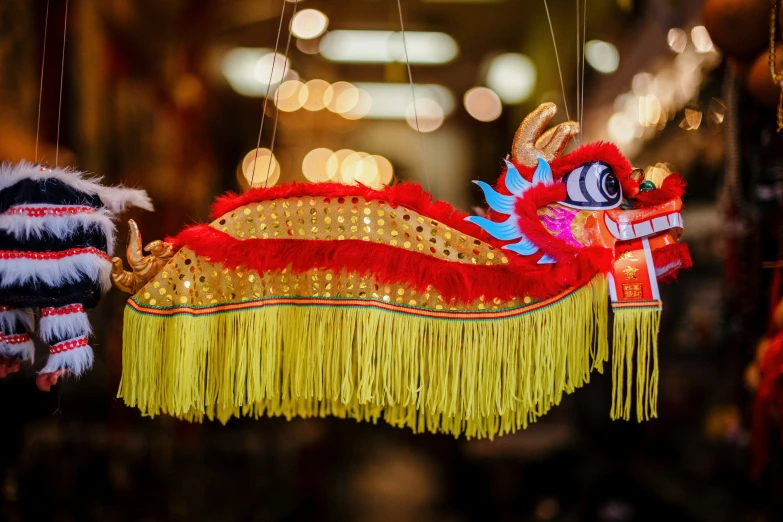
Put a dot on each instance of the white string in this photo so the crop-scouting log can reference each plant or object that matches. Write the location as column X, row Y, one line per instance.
column 266, row 97
column 578, row 50
column 413, row 94
column 582, row 89
column 62, row 75
column 277, row 100
column 557, row 58
column 40, row 89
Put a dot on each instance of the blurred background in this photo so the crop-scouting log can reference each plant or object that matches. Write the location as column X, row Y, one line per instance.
column 169, row 96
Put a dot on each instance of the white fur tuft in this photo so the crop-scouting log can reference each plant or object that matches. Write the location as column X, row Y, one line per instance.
column 62, row 227
column 117, row 199
column 24, row 351
column 53, row 328
column 56, row 272
column 76, row 361
column 9, row 318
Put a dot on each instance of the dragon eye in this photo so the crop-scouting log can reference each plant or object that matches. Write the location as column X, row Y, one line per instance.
column 592, row 186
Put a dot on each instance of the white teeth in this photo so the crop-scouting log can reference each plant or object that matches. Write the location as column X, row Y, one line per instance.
column 625, row 231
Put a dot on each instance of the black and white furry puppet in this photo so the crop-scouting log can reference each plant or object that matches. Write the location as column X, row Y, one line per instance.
column 56, row 238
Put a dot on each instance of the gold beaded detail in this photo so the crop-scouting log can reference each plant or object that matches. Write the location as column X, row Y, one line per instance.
column 355, row 218
column 189, row 280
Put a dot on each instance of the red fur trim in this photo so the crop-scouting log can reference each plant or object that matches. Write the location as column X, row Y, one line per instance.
column 670, row 254
column 673, row 187
column 408, row 195
column 464, row 282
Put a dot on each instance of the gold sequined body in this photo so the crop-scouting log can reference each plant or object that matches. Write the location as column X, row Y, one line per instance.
column 190, row 281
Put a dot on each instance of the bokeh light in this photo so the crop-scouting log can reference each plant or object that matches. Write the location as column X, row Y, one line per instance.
column 315, row 95
column 512, row 76
column 677, row 39
column 426, row 116
column 361, row 108
column 620, row 128
column 270, row 68
column 309, row 23
column 290, row 95
column 257, row 165
column 385, row 169
column 341, row 97
column 701, row 39
column 316, row 166
column 602, row 56
column 483, row 104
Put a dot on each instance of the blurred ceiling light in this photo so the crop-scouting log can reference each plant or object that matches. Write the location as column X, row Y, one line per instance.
column 390, row 101
column 677, row 39
column 701, row 39
column 361, row 108
column 334, row 164
column 290, row 95
column 512, row 76
column 360, row 167
column 341, row 97
column 602, row 56
column 259, row 163
column 315, row 95
column 649, row 110
column 385, row 169
column 483, row 104
column 307, row 46
column 620, row 128
column 270, row 68
column 238, row 67
column 425, row 48
column 425, row 116
column 692, row 120
column 309, row 23
column 642, row 83
column 315, row 165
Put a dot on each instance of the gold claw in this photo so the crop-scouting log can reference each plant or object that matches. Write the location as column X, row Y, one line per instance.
column 531, row 142
column 144, row 267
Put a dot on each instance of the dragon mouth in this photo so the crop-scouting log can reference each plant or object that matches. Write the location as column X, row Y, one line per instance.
column 626, row 231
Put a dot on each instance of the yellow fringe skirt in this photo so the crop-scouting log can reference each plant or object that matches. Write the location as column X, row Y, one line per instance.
column 476, row 377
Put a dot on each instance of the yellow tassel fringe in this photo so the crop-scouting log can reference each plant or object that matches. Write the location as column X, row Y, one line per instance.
column 480, row 378
column 635, row 329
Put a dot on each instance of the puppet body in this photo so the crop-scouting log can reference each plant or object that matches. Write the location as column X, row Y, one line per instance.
column 327, row 299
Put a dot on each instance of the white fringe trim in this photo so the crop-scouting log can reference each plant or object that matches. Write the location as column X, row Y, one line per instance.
column 76, row 361
column 56, row 272
column 24, row 351
column 117, row 199
column 9, row 318
column 62, row 227
column 54, row 328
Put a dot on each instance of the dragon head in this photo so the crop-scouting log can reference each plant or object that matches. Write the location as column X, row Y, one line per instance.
column 553, row 209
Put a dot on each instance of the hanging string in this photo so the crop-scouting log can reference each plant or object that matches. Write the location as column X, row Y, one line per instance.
column 62, row 75
column 277, row 99
column 413, row 95
column 557, row 58
column 582, row 88
column 266, row 97
column 40, row 89
column 578, row 50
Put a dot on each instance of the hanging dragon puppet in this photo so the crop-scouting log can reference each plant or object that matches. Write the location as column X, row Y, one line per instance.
column 328, row 299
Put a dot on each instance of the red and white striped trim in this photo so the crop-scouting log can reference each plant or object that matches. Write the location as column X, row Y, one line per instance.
column 68, row 345
column 60, row 254
column 66, row 322
column 55, row 268
column 17, row 338
column 48, row 210
column 63, row 310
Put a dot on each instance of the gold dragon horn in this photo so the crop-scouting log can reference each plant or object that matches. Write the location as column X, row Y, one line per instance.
column 144, row 267
column 530, row 140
